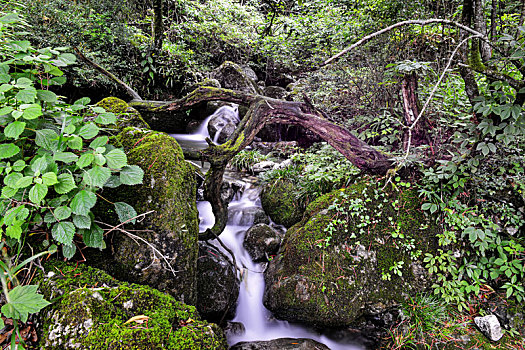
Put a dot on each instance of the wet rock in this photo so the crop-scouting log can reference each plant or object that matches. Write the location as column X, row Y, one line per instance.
column 99, row 314
column 126, row 115
column 489, row 326
column 281, row 344
column 282, row 149
column 223, row 123
column 217, row 284
column 169, row 192
column 337, row 264
column 280, row 203
column 276, row 92
column 261, row 241
column 263, row 166
column 246, row 216
column 229, row 189
column 232, row 76
column 234, row 328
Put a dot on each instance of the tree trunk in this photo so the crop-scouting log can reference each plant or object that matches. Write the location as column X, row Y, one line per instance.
column 158, row 27
column 411, row 111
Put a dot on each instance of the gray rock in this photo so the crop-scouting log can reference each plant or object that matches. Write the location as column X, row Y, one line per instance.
column 263, row 166
column 223, row 123
column 234, row 328
column 489, row 326
column 276, row 92
column 217, row 284
column 261, row 241
column 281, row 344
column 232, row 76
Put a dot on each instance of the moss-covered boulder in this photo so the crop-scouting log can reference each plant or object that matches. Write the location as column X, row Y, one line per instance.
column 170, row 228
column 356, row 252
column 126, row 116
column 94, row 311
column 262, row 241
column 280, row 203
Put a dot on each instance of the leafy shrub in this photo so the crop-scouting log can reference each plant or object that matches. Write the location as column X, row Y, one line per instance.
column 246, row 159
column 52, row 161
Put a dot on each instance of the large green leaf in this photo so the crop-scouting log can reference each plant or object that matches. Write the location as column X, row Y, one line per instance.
column 83, row 202
column 94, row 237
column 88, row 131
column 23, row 300
column 24, row 181
column 14, row 129
column 46, row 96
column 63, row 232
column 47, row 138
column 125, row 212
column 7, row 150
column 11, row 179
column 131, row 175
column 14, row 231
column 40, row 164
column 75, row 143
column 66, row 157
column 65, row 183
column 106, row 118
column 97, row 176
column 82, row 221
column 62, row 213
column 116, row 159
column 69, row 250
column 98, row 142
column 49, row 178
column 37, row 193
column 85, row 160
column 32, row 112
column 26, row 96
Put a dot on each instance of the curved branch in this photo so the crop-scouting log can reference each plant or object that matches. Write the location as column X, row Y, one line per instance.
column 400, row 24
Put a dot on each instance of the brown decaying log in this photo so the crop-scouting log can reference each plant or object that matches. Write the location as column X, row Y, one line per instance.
column 264, row 110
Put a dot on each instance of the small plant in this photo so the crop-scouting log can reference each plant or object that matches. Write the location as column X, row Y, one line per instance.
column 246, row 159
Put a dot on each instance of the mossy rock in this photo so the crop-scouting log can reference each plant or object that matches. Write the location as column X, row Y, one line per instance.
column 126, row 116
column 92, row 310
column 232, row 76
column 280, row 204
column 336, row 264
column 168, row 193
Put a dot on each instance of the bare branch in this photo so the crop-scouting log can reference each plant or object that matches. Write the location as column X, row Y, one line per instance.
column 401, row 24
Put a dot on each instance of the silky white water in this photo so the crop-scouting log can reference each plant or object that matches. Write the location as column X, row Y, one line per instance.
column 258, row 321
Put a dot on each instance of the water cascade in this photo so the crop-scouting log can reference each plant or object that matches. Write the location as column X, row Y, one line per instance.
column 258, row 321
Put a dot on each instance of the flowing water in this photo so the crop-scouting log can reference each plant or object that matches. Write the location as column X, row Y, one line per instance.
column 258, row 321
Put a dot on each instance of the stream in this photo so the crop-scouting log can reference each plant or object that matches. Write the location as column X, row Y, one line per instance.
column 258, row 321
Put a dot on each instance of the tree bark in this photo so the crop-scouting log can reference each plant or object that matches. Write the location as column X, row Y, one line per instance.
column 411, row 111
column 158, row 27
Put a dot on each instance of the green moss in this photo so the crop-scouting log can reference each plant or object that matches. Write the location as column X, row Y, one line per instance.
column 345, row 245
column 94, row 315
column 280, row 204
column 126, row 115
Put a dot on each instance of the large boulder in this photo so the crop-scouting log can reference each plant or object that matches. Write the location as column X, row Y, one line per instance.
column 280, row 203
column 126, row 116
column 169, row 232
column 357, row 252
column 223, row 122
column 232, row 76
column 217, row 284
column 94, row 311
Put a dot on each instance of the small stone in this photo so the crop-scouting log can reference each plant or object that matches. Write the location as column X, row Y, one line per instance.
column 489, row 326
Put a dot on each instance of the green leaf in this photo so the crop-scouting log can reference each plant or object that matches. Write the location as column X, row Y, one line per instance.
column 14, row 129
column 83, row 202
column 63, row 232
column 85, row 160
column 32, row 112
column 37, row 193
column 5, row 110
column 23, row 300
column 88, row 131
column 69, row 250
column 94, row 237
column 47, row 139
column 49, row 178
column 26, row 95
column 46, row 96
column 8, row 192
column 116, row 159
column 125, row 212
column 24, row 182
column 11, row 179
column 19, row 165
column 65, row 157
column 98, row 142
column 131, row 175
column 97, row 176
column 62, row 213
column 7, row 150
column 14, row 231
column 82, row 221
column 65, row 183
column 113, row 182
column 75, row 143
column 106, row 118
column 39, row 165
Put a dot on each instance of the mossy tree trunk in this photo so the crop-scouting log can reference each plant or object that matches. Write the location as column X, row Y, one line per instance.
column 262, row 111
column 158, row 27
